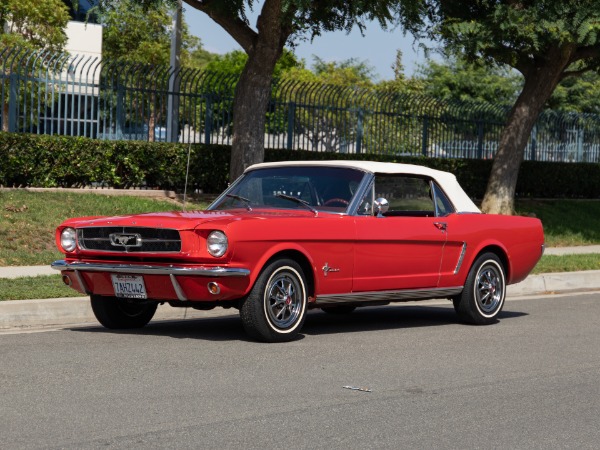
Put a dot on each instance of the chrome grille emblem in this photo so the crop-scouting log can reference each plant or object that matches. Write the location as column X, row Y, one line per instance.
column 125, row 239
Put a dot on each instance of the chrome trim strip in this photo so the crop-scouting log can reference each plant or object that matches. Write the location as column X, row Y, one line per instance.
column 82, row 283
column 460, row 258
column 389, row 296
column 151, row 270
column 180, row 294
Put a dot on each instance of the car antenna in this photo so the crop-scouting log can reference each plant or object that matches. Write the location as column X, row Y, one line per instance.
column 187, row 173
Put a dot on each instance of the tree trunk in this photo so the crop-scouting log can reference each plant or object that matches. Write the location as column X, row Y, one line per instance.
column 253, row 90
column 540, row 83
column 252, row 95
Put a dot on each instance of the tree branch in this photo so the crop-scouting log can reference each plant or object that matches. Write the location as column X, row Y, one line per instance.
column 233, row 24
column 586, row 53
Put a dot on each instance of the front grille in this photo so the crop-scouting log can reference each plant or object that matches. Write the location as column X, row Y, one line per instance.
column 129, row 239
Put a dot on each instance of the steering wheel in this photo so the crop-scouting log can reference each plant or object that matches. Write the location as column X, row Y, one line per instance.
column 332, row 201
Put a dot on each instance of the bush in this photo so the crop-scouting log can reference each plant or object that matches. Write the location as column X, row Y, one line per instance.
column 63, row 161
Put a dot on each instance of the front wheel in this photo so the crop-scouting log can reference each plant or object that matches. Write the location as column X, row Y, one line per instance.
column 483, row 296
column 117, row 313
column 275, row 309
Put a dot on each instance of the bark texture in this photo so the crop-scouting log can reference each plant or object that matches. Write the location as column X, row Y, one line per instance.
column 253, row 90
column 541, row 78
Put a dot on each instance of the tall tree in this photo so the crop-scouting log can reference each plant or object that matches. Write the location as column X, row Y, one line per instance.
column 458, row 80
column 31, row 24
column 36, row 24
column 281, row 22
column 545, row 40
column 138, row 34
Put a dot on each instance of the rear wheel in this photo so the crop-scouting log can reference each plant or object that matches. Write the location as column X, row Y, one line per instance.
column 485, row 290
column 275, row 309
column 119, row 313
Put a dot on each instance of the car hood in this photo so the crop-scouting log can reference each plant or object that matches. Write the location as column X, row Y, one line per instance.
column 184, row 220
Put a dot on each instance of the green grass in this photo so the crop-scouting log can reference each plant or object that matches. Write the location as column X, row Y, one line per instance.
column 567, row 263
column 28, row 220
column 566, row 222
column 25, row 288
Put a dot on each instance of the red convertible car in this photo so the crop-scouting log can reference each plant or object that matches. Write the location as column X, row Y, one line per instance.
column 290, row 236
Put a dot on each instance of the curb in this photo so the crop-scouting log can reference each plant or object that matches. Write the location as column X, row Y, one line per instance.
column 19, row 314
column 554, row 283
column 57, row 312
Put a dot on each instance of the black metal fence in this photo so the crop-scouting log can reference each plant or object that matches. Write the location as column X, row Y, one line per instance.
column 79, row 95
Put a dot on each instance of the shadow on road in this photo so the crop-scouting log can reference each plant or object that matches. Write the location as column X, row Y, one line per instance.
column 229, row 328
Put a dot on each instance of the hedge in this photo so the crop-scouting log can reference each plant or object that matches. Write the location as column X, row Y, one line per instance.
column 28, row 160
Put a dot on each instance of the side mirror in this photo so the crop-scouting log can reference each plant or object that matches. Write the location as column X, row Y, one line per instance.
column 381, row 206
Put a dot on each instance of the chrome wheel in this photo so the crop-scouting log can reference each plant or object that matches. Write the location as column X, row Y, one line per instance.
column 284, row 298
column 275, row 309
column 483, row 296
column 489, row 288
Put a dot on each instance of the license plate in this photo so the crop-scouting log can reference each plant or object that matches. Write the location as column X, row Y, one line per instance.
column 129, row 286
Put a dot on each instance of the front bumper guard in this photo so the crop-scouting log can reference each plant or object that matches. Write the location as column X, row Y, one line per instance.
column 171, row 271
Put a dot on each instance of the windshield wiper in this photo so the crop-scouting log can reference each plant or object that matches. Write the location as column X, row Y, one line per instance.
column 242, row 199
column 299, row 201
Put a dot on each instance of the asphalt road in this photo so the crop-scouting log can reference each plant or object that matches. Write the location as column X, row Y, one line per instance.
column 530, row 381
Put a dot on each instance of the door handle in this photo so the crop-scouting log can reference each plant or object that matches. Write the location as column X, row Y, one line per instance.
column 441, row 225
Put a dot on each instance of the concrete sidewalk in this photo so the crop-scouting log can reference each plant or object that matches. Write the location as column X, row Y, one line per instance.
column 20, row 314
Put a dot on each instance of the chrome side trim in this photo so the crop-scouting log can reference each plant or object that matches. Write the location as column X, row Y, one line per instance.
column 151, row 270
column 388, row 296
column 460, row 258
column 180, row 294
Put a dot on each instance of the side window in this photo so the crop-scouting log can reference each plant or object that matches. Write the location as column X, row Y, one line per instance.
column 365, row 208
column 443, row 207
column 409, row 196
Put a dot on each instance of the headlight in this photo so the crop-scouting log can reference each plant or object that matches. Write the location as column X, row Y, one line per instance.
column 68, row 239
column 216, row 244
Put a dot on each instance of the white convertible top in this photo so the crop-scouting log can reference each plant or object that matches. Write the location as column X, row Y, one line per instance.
column 446, row 180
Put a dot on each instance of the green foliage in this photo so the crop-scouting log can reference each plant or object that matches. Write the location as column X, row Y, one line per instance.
column 461, row 81
column 140, row 34
column 577, row 94
column 36, row 24
column 232, row 63
column 62, row 161
column 519, row 34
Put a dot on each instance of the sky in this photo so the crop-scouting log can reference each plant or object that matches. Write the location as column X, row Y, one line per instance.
column 377, row 47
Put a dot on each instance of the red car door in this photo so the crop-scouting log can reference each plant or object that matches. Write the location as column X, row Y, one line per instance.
column 398, row 253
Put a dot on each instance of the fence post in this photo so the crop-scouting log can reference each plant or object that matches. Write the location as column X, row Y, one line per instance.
column 533, row 143
column 290, row 124
column 425, row 135
column 480, row 139
column 120, row 112
column 580, row 157
column 359, row 130
column 13, row 103
column 208, row 120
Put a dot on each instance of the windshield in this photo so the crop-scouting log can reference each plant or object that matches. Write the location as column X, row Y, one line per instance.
column 322, row 188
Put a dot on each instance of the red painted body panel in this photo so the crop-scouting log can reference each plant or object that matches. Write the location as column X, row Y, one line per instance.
column 363, row 253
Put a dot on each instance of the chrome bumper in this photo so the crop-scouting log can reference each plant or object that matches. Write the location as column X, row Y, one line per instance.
column 151, row 270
